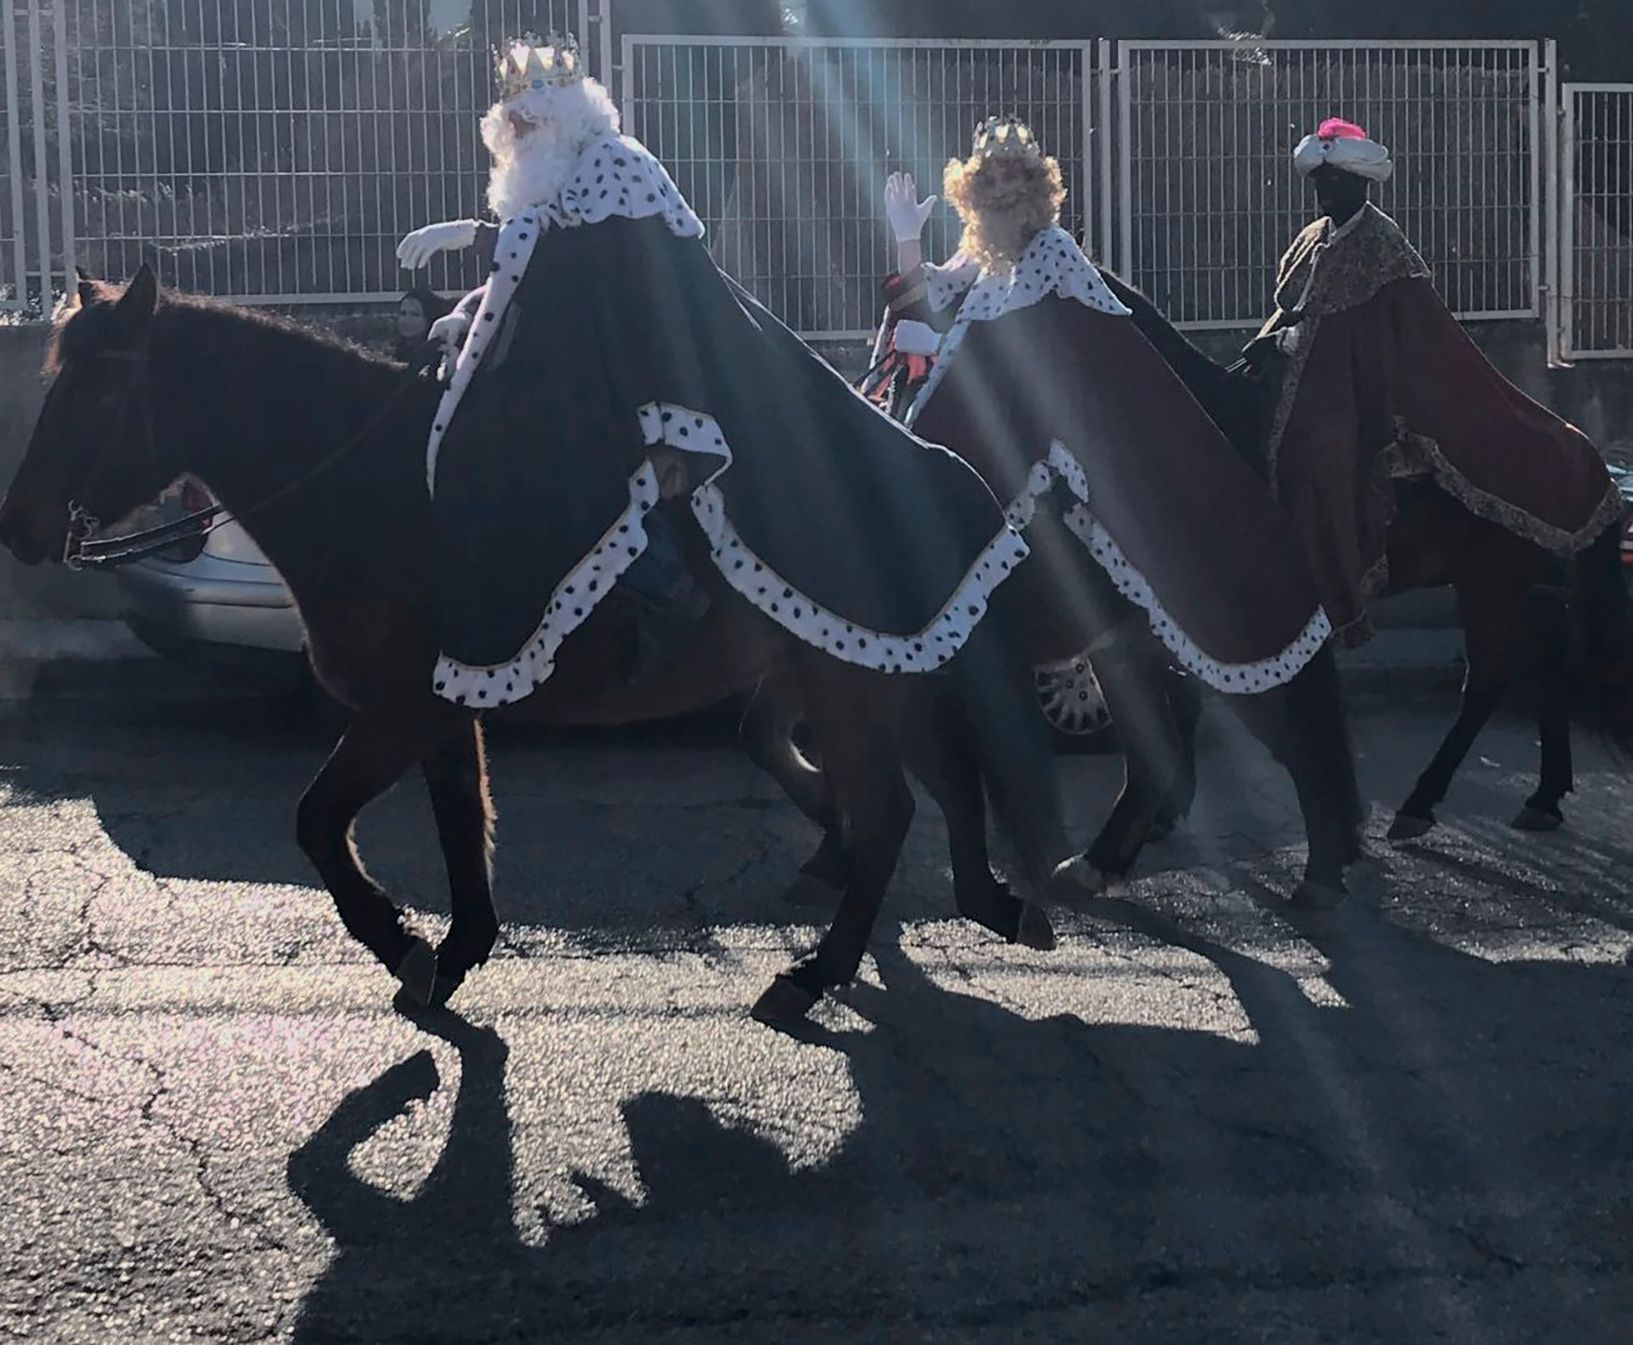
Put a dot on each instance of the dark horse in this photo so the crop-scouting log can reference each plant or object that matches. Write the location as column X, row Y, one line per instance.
column 1565, row 625
column 1524, row 611
column 316, row 446
column 1076, row 611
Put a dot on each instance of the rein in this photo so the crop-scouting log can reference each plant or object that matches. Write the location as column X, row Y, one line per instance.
column 83, row 551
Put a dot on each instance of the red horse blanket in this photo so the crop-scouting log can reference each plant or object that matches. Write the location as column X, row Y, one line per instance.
column 1381, row 384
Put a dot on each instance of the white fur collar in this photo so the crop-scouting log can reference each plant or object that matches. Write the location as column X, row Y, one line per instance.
column 1053, row 263
column 950, row 281
column 617, row 175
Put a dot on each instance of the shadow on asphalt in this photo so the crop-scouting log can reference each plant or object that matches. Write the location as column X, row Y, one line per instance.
column 1417, row 1147
column 206, row 789
column 628, row 835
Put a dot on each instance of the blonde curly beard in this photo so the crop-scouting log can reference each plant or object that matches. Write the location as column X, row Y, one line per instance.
column 1003, row 202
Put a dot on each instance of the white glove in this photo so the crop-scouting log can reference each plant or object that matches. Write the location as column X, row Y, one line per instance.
column 904, row 210
column 450, row 331
column 916, row 338
column 417, row 249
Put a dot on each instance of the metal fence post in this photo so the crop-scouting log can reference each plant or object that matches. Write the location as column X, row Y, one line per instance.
column 14, row 162
column 65, row 157
column 1552, row 131
column 42, row 184
column 1108, row 179
column 596, row 15
column 1567, row 293
column 1125, row 164
column 624, row 94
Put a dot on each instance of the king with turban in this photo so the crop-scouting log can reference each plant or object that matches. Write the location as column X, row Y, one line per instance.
column 1376, row 382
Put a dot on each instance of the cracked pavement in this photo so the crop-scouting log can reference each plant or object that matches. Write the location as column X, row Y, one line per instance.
column 1202, row 1118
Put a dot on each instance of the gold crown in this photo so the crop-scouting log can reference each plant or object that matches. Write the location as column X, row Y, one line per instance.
column 1005, row 137
column 537, row 63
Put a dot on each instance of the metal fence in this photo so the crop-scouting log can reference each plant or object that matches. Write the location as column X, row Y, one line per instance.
column 1597, row 244
column 269, row 150
column 1209, row 198
column 274, row 150
column 782, row 145
column 36, row 224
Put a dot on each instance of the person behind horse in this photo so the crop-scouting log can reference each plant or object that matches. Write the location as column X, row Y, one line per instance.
column 417, row 312
column 1375, row 382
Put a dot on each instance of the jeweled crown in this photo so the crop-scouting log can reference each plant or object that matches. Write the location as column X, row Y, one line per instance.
column 532, row 62
column 1005, row 137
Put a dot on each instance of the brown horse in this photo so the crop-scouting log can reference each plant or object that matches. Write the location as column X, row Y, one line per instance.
column 315, row 446
column 1563, row 626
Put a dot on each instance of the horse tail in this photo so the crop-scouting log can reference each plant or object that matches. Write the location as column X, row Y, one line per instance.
column 1603, row 621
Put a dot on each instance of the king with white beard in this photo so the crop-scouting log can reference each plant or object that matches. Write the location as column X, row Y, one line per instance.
column 615, row 395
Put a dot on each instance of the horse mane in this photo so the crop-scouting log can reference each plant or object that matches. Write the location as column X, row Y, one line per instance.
column 228, row 328
column 1183, row 355
column 1234, row 403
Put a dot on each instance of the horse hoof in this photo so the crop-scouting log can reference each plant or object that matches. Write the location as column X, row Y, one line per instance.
column 806, row 891
column 417, row 972
column 1314, row 896
column 1409, row 828
column 785, row 1003
column 1537, row 819
column 1035, row 931
column 1077, row 881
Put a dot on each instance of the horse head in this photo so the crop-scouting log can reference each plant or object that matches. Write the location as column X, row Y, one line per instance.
column 93, row 457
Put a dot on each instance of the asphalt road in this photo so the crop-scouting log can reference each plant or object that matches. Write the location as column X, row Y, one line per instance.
column 1199, row 1120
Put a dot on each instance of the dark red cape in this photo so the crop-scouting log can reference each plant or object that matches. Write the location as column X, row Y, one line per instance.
column 1198, row 541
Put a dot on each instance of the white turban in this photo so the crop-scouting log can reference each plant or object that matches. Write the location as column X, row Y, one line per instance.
column 1346, row 147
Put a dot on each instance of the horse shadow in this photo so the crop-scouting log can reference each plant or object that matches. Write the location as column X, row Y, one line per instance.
column 1407, row 1147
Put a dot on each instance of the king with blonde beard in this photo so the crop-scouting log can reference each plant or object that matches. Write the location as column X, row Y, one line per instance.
column 1042, row 378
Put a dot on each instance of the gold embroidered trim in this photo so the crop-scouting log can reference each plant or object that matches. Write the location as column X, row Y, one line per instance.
column 1416, row 455
column 1320, row 274
column 1292, row 376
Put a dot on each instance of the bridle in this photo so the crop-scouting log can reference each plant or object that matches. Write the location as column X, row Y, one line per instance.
column 83, row 550
column 77, row 547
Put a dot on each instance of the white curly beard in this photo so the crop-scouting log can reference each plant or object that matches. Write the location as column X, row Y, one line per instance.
column 533, row 170
column 528, row 174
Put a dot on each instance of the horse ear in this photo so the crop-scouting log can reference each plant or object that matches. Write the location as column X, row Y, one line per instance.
column 89, row 289
column 141, row 296
column 135, row 307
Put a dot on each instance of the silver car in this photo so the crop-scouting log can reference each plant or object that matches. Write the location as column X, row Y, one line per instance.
column 219, row 601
